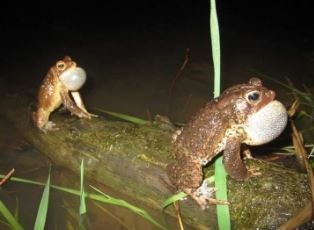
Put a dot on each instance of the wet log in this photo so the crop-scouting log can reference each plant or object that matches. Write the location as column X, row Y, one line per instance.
column 132, row 158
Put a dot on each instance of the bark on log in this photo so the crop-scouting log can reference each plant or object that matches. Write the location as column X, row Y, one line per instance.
column 132, row 159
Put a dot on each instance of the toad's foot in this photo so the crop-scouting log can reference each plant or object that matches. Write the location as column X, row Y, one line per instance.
column 49, row 126
column 176, row 134
column 93, row 115
column 203, row 196
column 83, row 114
column 82, row 107
column 254, row 171
column 247, row 154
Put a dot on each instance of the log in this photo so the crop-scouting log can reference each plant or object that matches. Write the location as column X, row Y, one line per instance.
column 132, row 159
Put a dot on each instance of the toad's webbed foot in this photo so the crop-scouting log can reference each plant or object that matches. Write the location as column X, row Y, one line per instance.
column 187, row 176
column 254, row 171
column 49, row 126
column 204, row 196
column 247, row 154
column 81, row 113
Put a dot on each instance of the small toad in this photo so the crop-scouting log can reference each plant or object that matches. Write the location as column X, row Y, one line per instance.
column 245, row 113
column 62, row 79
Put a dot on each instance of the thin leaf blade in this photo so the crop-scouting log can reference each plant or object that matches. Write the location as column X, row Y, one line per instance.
column 82, row 192
column 9, row 217
column 125, row 117
column 223, row 213
column 43, row 207
column 172, row 199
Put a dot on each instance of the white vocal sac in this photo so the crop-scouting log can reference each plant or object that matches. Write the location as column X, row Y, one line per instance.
column 73, row 79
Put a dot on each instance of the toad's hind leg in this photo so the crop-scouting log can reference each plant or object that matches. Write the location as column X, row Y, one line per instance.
column 187, row 176
column 41, row 120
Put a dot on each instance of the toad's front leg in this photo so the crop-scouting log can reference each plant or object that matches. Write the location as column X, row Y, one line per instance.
column 233, row 163
column 72, row 107
column 79, row 102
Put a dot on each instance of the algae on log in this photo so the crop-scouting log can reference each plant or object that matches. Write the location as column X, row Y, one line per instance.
column 132, row 159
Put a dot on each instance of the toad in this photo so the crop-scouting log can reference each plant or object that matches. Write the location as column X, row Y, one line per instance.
column 243, row 114
column 63, row 78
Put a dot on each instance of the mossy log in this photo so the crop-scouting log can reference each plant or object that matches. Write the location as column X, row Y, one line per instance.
column 132, row 159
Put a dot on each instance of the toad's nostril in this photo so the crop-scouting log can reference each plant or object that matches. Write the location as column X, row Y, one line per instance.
column 271, row 94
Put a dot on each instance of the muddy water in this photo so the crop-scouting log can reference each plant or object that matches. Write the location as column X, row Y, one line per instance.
column 130, row 67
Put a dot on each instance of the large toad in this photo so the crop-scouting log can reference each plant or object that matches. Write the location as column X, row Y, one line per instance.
column 245, row 113
column 62, row 79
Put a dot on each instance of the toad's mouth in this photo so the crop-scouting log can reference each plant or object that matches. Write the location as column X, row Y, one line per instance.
column 266, row 124
column 73, row 78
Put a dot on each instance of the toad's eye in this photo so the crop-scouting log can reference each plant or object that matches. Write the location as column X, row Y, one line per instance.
column 253, row 96
column 60, row 65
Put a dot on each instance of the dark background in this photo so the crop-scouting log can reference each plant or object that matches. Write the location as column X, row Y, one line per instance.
column 132, row 50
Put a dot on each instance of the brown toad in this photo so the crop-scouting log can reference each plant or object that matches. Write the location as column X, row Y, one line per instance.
column 245, row 113
column 62, row 78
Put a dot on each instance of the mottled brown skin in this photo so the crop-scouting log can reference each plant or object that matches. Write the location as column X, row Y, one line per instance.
column 213, row 130
column 53, row 93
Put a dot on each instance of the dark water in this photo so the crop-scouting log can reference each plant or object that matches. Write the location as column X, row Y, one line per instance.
column 131, row 54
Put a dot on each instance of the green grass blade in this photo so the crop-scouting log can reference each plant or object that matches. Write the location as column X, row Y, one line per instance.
column 9, row 217
column 82, row 192
column 223, row 213
column 172, row 199
column 215, row 42
column 43, row 207
column 131, row 207
column 125, row 117
column 103, row 198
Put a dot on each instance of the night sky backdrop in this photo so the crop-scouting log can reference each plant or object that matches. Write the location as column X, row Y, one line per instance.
column 146, row 40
